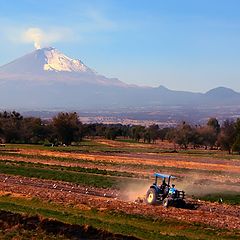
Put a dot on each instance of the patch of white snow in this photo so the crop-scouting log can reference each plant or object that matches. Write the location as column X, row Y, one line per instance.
column 56, row 61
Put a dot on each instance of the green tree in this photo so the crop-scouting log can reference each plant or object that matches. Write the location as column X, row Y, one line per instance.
column 163, row 132
column 183, row 135
column 208, row 136
column 213, row 123
column 236, row 145
column 137, row 132
column 12, row 126
column 68, row 127
column 227, row 135
column 35, row 130
column 111, row 133
column 151, row 134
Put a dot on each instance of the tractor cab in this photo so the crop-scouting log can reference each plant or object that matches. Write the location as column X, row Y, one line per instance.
column 164, row 184
column 162, row 192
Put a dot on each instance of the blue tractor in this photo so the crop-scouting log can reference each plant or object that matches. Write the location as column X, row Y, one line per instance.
column 164, row 193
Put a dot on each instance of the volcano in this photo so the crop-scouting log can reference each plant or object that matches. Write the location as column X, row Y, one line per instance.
column 49, row 64
column 47, row 78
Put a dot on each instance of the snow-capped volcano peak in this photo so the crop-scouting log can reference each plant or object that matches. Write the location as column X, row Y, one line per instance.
column 49, row 64
column 57, row 61
column 47, row 59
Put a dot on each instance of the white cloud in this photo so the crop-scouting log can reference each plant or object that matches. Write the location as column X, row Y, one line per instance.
column 99, row 21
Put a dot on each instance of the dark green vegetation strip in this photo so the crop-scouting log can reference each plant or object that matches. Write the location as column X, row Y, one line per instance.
column 61, row 175
column 69, row 168
column 89, row 146
column 232, row 198
column 116, row 222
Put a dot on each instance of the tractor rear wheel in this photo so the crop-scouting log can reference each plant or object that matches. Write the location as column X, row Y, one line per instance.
column 151, row 196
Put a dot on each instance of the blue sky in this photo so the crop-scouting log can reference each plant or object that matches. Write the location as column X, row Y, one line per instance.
column 184, row 45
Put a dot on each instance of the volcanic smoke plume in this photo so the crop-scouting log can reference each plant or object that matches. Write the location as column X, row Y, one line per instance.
column 41, row 38
column 35, row 35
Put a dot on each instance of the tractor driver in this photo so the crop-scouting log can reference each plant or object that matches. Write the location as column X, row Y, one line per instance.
column 163, row 186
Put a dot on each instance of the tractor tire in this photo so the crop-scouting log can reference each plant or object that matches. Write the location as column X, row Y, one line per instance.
column 166, row 202
column 151, row 196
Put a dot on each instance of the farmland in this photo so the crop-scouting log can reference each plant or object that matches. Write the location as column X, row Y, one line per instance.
column 99, row 186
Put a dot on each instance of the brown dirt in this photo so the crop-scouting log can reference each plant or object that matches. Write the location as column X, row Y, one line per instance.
column 140, row 145
column 213, row 214
column 167, row 160
column 158, row 160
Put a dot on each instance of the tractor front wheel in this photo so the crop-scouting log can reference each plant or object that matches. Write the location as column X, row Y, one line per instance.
column 166, row 202
column 151, row 196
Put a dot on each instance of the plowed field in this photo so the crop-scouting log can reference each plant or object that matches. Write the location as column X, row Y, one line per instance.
column 116, row 181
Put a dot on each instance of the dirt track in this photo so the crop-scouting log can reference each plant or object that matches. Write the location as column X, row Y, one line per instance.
column 213, row 214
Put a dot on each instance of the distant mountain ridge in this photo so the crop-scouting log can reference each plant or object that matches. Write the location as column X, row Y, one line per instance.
column 46, row 78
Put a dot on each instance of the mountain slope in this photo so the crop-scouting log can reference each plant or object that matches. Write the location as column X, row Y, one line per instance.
column 48, row 64
column 46, row 78
column 45, row 59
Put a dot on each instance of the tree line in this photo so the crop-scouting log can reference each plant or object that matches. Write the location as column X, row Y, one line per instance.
column 66, row 128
